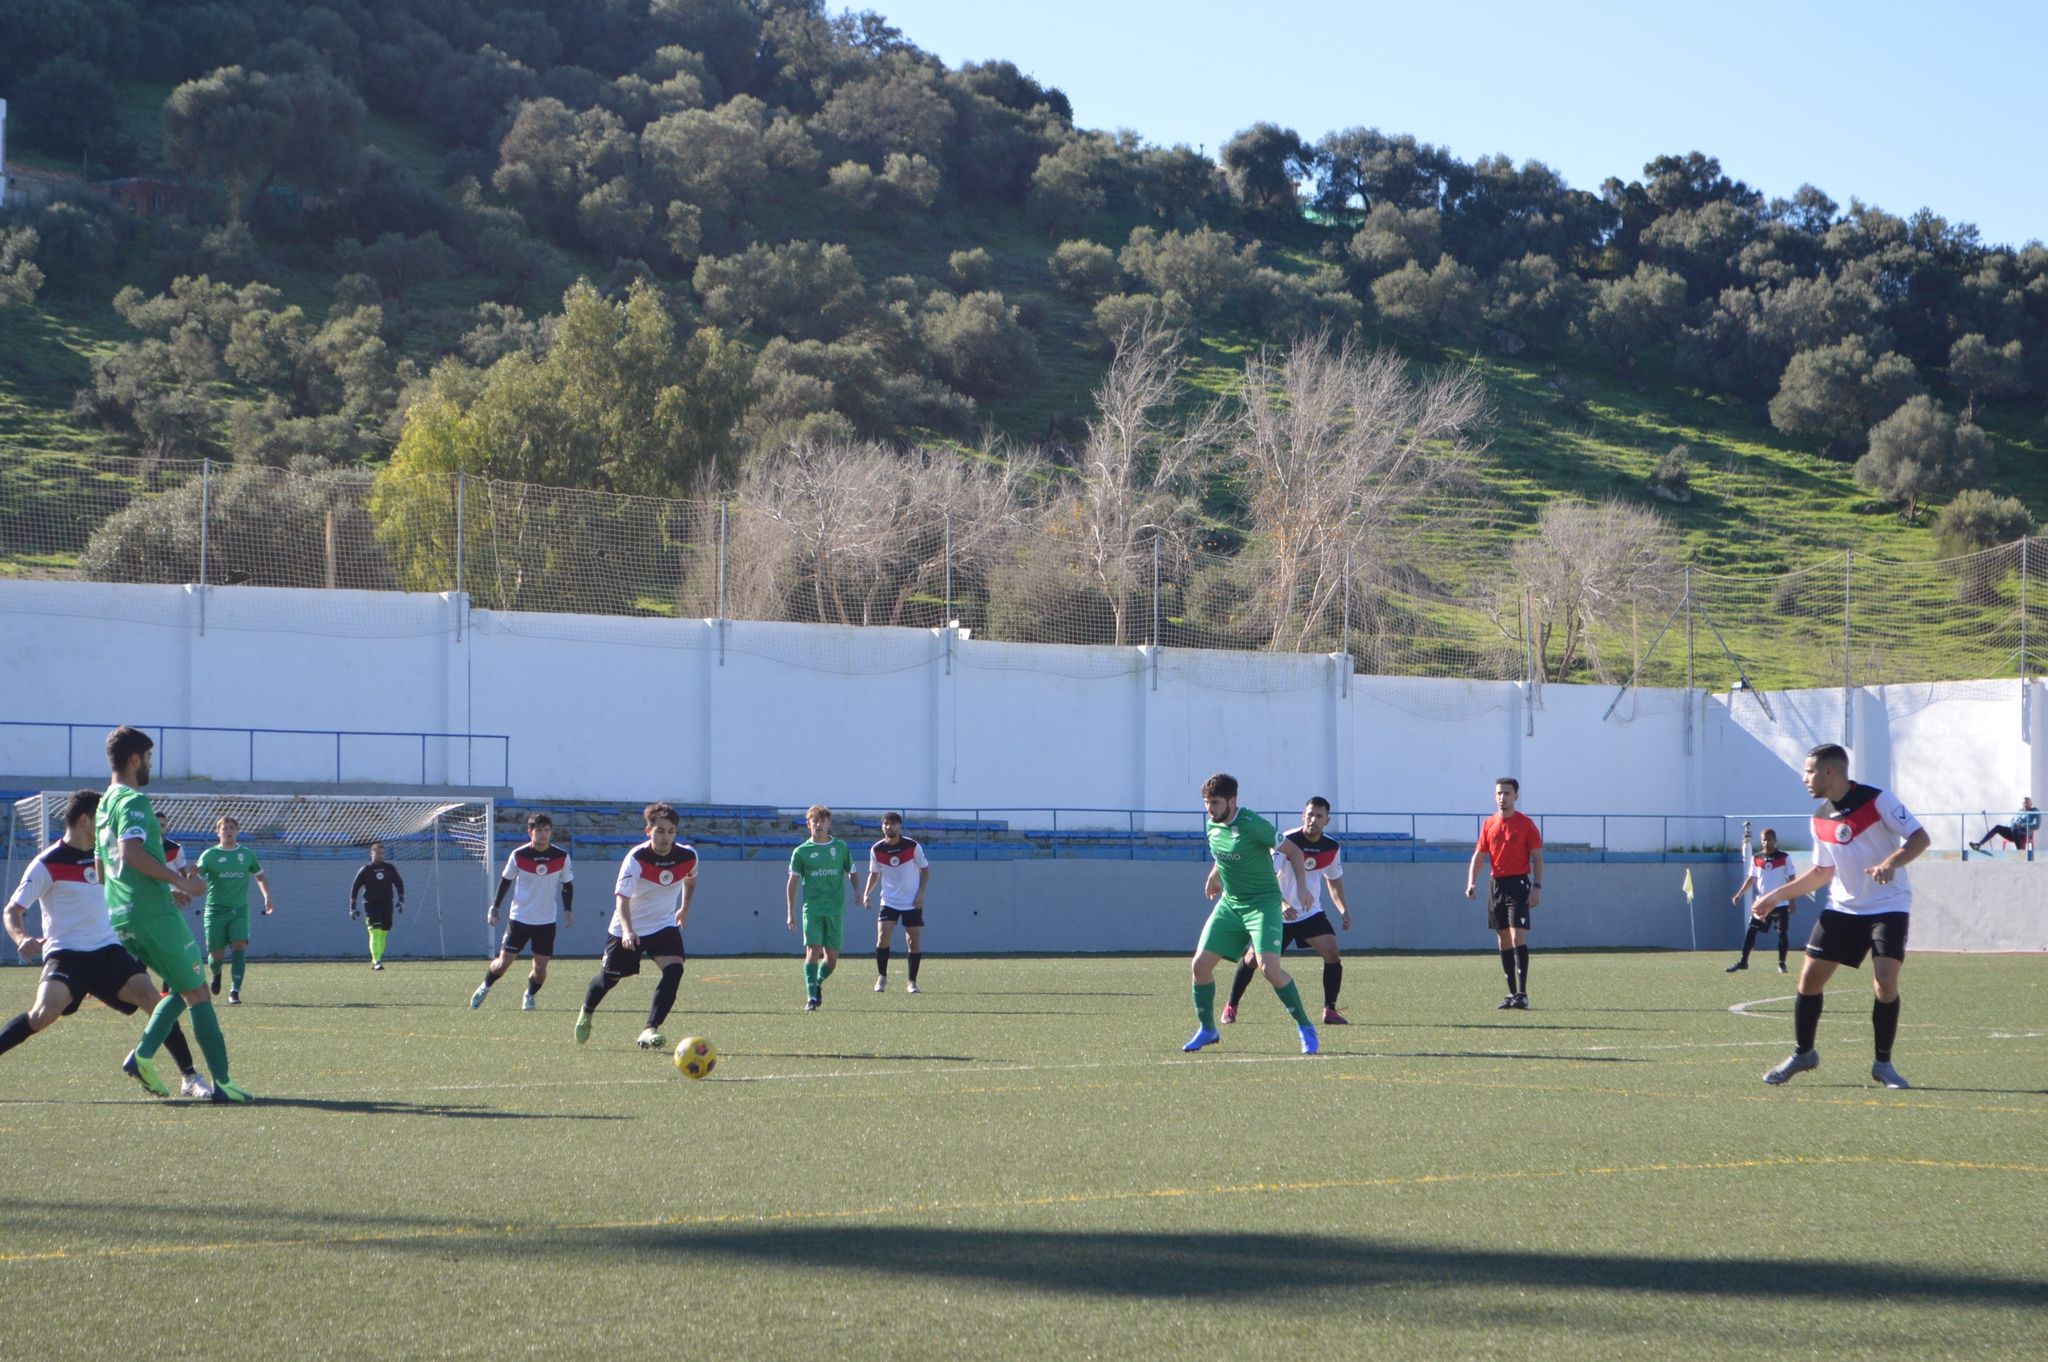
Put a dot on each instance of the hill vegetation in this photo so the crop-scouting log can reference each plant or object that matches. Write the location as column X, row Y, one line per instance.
column 665, row 246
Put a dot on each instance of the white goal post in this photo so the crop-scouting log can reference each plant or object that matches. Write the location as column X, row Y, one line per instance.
column 311, row 847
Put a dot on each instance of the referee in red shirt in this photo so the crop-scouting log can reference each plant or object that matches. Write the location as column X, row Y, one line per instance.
column 1514, row 848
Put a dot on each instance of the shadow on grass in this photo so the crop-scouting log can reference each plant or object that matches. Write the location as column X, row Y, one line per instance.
column 1236, row 1264
column 380, row 1107
column 1492, row 1026
column 826, row 1054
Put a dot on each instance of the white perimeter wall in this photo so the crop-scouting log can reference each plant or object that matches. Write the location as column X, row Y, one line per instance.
column 749, row 713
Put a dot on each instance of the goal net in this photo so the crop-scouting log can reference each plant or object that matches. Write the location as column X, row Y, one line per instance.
column 311, row 847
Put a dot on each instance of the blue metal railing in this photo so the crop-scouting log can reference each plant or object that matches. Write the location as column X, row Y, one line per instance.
column 340, row 738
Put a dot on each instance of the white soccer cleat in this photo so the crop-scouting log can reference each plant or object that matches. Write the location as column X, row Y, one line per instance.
column 526, row 1002
column 912, row 987
column 1884, row 1073
column 1798, row 1062
column 651, row 1039
column 195, row 1086
column 881, row 983
column 476, row 999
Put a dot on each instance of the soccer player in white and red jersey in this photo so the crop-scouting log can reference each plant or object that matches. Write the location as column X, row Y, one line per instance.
column 657, row 880
column 1305, row 923
column 542, row 882
column 1863, row 838
column 1769, row 869
column 899, row 866
column 81, row 953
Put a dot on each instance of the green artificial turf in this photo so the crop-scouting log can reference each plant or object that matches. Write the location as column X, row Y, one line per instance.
column 1021, row 1163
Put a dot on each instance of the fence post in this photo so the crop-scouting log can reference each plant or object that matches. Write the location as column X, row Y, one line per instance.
column 1689, row 697
column 1155, row 610
column 460, row 478
column 1347, row 621
column 1848, row 701
column 2026, row 691
column 946, row 621
column 724, row 529
column 205, row 516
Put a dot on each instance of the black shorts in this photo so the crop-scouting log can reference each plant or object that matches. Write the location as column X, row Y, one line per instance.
column 1846, row 938
column 623, row 964
column 539, row 935
column 380, row 918
column 1507, row 904
column 1303, row 930
column 909, row 917
column 101, row 974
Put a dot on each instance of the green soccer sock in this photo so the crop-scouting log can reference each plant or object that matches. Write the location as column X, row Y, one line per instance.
column 825, row 968
column 377, row 938
column 160, row 1023
column 811, row 980
column 1290, row 998
column 1205, row 1005
column 206, row 1026
column 238, row 966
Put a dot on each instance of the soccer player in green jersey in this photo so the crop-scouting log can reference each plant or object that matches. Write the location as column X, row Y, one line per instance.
column 130, row 846
column 1248, row 911
column 823, row 868
column 227, row 870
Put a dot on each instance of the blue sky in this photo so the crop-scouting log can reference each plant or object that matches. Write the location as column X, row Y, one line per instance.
column 1901, row 105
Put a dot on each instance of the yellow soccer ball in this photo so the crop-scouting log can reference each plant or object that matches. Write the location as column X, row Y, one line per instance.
column 695, row 1058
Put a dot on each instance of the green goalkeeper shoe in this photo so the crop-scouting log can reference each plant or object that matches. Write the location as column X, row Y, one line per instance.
column 143, row 1071
column 582, row 1026
column 227, row 1092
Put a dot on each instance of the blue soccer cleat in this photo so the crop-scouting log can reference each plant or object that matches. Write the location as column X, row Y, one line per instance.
column 1206, row 1036
column 1309, row 1044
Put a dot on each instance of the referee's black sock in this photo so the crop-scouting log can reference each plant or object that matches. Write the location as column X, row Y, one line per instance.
column 1522, row 966
column 1507, row 966
column 1884, row 1021
column 882, row 961
column 916, row 958
column 1805, row 1020
column 1333, row 980
column 15, row 1032
column 1241, row 981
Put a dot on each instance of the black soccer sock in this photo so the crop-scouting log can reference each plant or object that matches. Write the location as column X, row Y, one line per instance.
column 916, row 958
column 1241, row 981
column 600, row 984
column 533, row 984
column 1522, row 965
column 15, row 1032
column 1805, row 1020
column 180, row 1051
column 664, row 995
column 882, row 961
column 1749, row 942
column 1507, row 966
column 1333, row 980
column 493, row 972
column 1784, row 941
column 1884, row 1021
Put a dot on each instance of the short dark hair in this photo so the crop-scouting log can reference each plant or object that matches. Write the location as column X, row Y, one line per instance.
column 1318, row 802
column 1510, row 782
column 230, row 820
column 654, row 811
column 375, row 844
column 82, row 804
column 1220, row 784
column 124, row 744
column 1830, row 754
column 893, row 817
column 540, row 820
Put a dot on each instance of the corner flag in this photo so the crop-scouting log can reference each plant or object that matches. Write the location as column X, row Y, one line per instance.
column 1688, row 909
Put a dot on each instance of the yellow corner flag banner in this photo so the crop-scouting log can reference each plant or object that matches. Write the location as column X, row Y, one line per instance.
column 1688, row 884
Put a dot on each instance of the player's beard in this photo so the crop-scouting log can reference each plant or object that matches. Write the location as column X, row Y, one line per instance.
column 142, row 774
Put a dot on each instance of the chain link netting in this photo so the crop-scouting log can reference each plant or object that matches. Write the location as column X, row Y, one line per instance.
column 587, row 565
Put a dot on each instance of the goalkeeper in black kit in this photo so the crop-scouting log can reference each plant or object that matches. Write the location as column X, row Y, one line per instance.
column 380, row 884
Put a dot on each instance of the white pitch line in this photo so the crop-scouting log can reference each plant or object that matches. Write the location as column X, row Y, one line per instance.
column 1742, row 1009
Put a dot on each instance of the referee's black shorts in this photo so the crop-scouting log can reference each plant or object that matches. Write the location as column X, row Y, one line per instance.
column 1507, row 904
